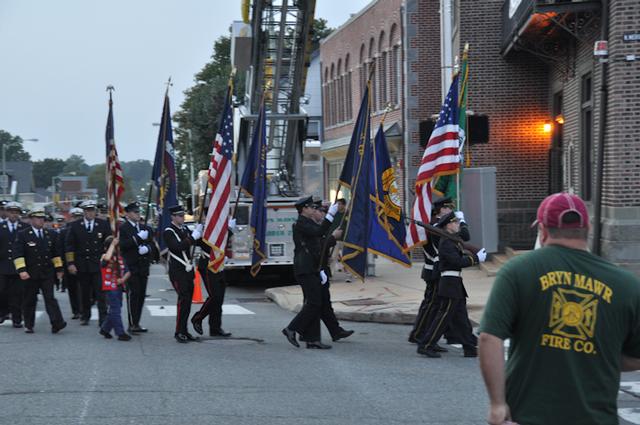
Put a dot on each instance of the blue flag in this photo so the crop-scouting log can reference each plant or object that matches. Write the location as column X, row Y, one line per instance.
column 164, row 173
column 254, row 184
column 358, row 164
column 351, row 160
column 387, row 230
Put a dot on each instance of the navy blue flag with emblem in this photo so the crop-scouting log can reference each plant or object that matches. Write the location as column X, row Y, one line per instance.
column 254, row 184
column 164, row 172
column 387, row 230
column 349, row 167
column 356, row 233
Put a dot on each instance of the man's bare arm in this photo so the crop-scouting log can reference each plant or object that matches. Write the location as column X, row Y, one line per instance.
column 491, row 350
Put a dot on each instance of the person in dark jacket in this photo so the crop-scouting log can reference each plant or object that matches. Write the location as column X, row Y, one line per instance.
column 307, row 237
column 451, row 293
column 37, row 263
column 136, row 247
column 179, row 241
column 11, row 287
column 84, row 241
column 70, row 281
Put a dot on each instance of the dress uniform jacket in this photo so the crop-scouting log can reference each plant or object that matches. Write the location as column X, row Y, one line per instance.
column 179, row 243
column 37, row 256
column 7, row 239
column 129, row 243
column 84, row 248
column 307, row 237
column 452, row 261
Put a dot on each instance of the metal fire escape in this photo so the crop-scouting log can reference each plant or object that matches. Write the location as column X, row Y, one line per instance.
column 279, row 61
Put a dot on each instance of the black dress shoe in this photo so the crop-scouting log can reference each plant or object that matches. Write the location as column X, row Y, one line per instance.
column 28, row 330
column 58, row 327
column 17, row 325
column 105, row 334
column 135, row 329
column 192, row 338
column 318, row 345
column 124, row 337
column 470, row 351
column 429, row 352
column 439, row 348
column 197, row 325
column 219, row 332
column 75, row 316
column 84, row 322
column 181, row 338
column 291, row 336
column 342, row 335
column 412, row 339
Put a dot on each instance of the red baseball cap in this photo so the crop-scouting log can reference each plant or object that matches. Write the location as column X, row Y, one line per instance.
column 553, row 208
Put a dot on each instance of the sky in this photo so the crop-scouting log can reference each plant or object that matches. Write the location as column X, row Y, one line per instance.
column 58, row 57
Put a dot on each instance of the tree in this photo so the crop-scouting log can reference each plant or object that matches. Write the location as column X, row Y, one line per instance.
column 76, row 165
column 319, row 30
column 200, row 113
column 45, row 169
column 14, row 147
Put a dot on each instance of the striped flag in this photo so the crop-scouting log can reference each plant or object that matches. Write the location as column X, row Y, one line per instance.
column 115, row 181
column 216, row 226
column 440, row 158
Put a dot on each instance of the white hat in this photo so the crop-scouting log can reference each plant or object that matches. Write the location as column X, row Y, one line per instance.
column 13, row 205
column 76, row 211
column 88, row 204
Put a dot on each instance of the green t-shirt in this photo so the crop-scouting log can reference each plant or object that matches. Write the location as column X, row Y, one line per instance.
column 570, row 315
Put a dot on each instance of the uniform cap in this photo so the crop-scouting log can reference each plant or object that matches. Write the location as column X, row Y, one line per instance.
column 446, row 219
column 13, row 205
column 87, row 205
column 176, row 210
column 76, row 211
column 307, row 201
column 38, row 213
column 442, row 202
column 553, row 208
column 132, row 207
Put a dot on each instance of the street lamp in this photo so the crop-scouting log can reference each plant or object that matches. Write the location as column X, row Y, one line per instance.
column 4, row 179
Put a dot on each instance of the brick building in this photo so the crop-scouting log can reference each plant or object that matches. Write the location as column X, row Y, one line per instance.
column 534, row 77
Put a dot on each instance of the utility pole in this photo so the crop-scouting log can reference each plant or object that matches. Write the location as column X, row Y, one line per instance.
column 191, row 176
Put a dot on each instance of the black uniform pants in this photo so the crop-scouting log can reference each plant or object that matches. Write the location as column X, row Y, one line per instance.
column 31, row 299
column 183, row 285
column 216, row 287
column 307, row 321
column 452, row 312
column 70, row 282
column 327, row 316
column 426, row 307
column 137, row 284
column 90, row 285
column 12, row 292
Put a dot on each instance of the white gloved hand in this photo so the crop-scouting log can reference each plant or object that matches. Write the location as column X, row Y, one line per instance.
column 143, row 234
column 143, row 249
column 323, row 277
column 460, row 216
column 200, row 228
column 232, row 223
column 196, row 234
column 333, row 209
column 482, row 255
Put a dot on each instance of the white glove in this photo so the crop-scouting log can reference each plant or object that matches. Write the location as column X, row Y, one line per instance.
column 200, row 228
column 333, row 209
column 460, row 216
column 232, row 223
column 323, row 277
column 143, row 234
column 143, row 249
column 196, row 234
column 482, row 255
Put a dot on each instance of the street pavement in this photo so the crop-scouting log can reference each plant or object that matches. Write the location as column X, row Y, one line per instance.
column 255, row 377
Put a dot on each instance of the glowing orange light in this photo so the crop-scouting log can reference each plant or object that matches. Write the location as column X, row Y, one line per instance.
column 546, row 127
column 560, row 119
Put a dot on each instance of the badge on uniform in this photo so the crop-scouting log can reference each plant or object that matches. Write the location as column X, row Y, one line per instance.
column 31, row 243
column 100, row 235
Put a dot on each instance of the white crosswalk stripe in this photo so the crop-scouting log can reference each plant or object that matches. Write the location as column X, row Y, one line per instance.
column 172, row 310
column 9, row 323
column 630, row 414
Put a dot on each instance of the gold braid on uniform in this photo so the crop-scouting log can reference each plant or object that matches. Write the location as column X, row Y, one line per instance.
column 57, row 262
column 20, row 263
column 70, row 256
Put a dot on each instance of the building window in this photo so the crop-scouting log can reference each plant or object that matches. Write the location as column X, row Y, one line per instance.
column 397, row 79
column 349, row 98
column 383, row 81
column 586, row 135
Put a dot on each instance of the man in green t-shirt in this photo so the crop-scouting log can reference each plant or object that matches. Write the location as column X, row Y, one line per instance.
column 574, row 324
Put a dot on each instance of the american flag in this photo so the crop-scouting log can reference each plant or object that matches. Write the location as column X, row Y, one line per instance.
column 115, row 181
column 216, row 224
column 441, row 157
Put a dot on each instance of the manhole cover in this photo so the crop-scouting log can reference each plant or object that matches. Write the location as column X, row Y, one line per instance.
column 253, row 300
column 231, row 341
column 363, row 301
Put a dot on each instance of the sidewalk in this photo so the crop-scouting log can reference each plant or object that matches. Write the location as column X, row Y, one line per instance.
column 392, row 296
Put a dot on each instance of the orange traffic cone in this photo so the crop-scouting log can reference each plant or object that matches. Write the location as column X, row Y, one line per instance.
column 197, row 290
